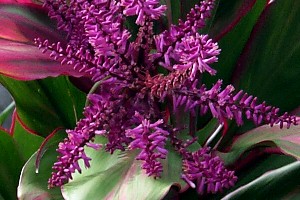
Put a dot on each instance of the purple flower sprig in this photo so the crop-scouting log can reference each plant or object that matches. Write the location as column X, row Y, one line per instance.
column 208, row 171
column 151, row 140
column 144, row 9
column 202, row 169
column 129, row 106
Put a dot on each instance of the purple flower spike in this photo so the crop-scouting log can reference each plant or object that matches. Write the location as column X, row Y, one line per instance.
column 71, row 150
column 166, row 41
column 151, row 140
column 207, row 171
column 197, row 16
column 196, row 52
column 144, row 9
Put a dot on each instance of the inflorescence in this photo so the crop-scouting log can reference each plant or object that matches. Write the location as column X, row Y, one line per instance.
column 129, row 106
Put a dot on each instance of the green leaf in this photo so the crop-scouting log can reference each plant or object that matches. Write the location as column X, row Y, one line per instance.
column 287, row 140
column 26, row 142
column 276, row 184
column 266, row 65
column 118, row 176
column 10, row 166
column 15, row 150
column 34, row 185
column 269, row 65
column 44, row 105
column 233, row 36
column 229, row 14
column 175, row 10
column 254, row 169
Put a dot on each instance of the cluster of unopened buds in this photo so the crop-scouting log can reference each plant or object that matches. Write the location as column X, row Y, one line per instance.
column 133, row 101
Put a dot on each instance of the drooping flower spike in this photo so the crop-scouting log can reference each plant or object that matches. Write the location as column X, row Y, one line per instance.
column 151, row 140
column 128, row 107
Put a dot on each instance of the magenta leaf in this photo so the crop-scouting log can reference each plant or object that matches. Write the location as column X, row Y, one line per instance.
column 19, row 56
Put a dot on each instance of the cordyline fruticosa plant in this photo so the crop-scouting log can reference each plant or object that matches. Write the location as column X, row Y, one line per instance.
column 148, row 92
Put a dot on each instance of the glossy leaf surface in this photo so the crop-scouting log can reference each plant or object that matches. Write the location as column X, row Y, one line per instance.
column 276, row 184
column 10, row 165
column 46, row 104
column 269, row 65
column 260, row 53
column 232, row 27
column 287, row 140
column 118, row 176
column 33, row 185
column 19, row 57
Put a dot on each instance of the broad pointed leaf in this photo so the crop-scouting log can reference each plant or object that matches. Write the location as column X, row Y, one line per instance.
column 269, row 65
column 232, row 26
column 236, row 12
column 15, row 150
column 119, row 176
column 10, row 166
column 19, row 56
column 44, row 105
column 249, row 171
column 26, row 142
column 287, row 140
column 281, row 183
column 261, row 56
column 33, row 185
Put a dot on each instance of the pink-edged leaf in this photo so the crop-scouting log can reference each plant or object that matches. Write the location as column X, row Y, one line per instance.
column 44, row 146
column 287, row 141
column 232, row 27
column 234, row 11
column 19, row 56
column 119, row 176
column 270, row 185
column 33, row 185
column 111, row 176
column 16, row 148
column 268, row 66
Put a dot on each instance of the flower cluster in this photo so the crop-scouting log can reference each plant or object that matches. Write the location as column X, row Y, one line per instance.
column 196, row 53
column 207, row 171
column 129, row 106
column 151, row 140
column 201, row 169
